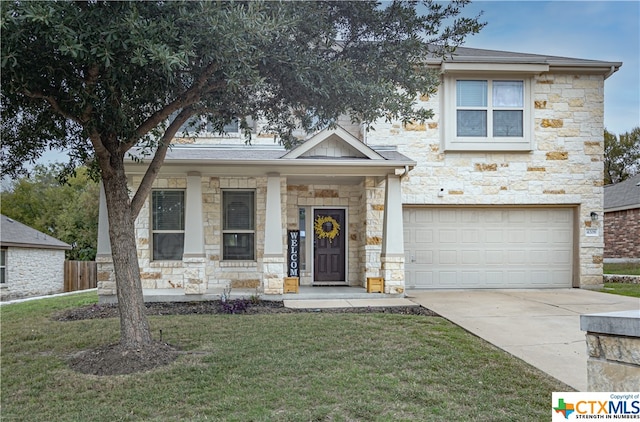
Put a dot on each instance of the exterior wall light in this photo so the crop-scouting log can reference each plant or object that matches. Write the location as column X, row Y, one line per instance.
column 594, row 216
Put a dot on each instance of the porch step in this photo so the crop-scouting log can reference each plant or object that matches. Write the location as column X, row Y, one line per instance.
column 347, row 295
column 346, row 303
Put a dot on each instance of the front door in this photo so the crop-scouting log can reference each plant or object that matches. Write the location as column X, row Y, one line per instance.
column 329, row 240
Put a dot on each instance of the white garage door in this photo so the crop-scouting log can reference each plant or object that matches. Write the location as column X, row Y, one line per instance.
column 488, row 247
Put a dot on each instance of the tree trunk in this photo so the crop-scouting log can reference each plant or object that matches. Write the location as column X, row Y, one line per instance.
column 134, row 326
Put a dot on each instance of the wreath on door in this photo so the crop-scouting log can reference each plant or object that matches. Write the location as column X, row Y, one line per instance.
column 326, row 227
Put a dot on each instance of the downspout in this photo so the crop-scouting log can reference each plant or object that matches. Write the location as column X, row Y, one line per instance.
column 404, row 173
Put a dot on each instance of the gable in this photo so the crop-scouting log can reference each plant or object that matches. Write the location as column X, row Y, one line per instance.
column 333, row 144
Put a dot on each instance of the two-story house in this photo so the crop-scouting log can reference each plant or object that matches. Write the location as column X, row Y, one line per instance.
column 502, row 188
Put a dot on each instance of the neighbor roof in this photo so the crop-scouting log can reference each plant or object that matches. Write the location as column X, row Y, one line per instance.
column 13, row 233
column 623, row 196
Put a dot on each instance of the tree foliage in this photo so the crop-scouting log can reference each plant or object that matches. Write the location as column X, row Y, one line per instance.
column 100, row 78
column 67, row 211
column 621, row 156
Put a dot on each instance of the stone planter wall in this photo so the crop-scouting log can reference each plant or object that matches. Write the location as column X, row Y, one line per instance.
column 613, row 345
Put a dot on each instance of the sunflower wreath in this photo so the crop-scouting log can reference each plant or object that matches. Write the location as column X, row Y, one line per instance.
column 318, row 226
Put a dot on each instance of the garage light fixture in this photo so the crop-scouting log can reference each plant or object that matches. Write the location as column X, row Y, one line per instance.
column 594, row 216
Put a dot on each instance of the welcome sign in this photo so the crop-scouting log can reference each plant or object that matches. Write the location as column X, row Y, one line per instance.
column 293, row 253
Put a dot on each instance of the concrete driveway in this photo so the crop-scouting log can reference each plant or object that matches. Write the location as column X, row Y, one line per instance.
column 541, row 327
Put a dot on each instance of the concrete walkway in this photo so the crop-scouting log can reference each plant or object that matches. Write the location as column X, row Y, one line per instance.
column 541, row 327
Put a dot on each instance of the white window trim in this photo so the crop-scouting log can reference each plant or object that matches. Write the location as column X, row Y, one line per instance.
column 151, row 246
column 452, row 142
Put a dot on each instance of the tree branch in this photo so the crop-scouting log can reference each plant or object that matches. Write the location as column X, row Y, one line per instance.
column 187, row 98
column 158, row 159
column 53, row 103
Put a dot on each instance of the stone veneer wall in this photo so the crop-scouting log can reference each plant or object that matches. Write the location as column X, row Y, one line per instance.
column 564, row 167
column 217, row 274
column 622, row 234
column 327, row 196
column 24, row 279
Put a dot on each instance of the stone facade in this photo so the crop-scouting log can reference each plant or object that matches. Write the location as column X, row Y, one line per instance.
column 563, row 168
column 24, row 279
column 622, row 234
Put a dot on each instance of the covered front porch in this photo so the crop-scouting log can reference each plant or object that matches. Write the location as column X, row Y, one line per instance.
column 238, row 206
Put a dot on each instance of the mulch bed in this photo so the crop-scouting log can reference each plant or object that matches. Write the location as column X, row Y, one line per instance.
column 236, row 306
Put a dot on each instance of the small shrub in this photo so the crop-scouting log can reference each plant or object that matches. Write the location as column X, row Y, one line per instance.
column 237, row 306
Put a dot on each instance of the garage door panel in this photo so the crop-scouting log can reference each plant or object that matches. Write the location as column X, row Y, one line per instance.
column 471, row 257
column 494, row 236
column 494, row 257
column 539, row 236
column 447, row 257
column 488, row 247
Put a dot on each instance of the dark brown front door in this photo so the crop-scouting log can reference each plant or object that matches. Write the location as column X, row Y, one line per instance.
column 329, row 245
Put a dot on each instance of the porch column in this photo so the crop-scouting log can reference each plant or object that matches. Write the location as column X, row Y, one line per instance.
column 104, row 262
column 274, row 260
column 193, row 257
column 392, row 255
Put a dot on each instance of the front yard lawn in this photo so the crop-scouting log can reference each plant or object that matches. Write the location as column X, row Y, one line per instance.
column 272, row 367
column 624, row 289
column 622, row 268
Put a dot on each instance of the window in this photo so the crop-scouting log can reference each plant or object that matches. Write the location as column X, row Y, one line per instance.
column 168, row 224
column 487, row 114
column 3, row 266
column 238, row 225
column 199, row 126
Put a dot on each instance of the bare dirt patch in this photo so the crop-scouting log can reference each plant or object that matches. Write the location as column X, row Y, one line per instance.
column 113, row 359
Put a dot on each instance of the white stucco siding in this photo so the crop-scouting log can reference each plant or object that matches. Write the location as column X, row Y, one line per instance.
column 33, row 272
column 564, row 166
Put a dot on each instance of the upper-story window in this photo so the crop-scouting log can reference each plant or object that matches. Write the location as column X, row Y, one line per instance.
column 167, row 222
column 197, row 126
column 485, row 114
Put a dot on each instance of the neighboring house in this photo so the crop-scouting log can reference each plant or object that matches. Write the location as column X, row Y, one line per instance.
column 622, row 220
column 495, row 191
column 32, row 263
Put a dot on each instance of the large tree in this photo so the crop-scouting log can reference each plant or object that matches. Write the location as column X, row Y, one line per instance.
column 100, row 78
column 621, row 155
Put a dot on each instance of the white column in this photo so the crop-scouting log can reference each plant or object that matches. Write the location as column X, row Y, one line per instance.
column 273, row 224
column 273, row 262
column 104, row 261
column 392, row 232
column 392, row 256
column 193, row 223
column 193, row 257
column 104, row 243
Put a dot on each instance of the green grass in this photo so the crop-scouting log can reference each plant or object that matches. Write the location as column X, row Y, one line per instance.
column 277, row 367
column 624, row 289
column 623, row 269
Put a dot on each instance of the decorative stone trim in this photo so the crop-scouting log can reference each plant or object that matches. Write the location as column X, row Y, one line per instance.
column 616, row 278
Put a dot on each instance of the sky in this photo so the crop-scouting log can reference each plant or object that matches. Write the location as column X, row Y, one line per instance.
column 595, row 30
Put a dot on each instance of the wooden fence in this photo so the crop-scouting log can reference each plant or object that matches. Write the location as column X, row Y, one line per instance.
column 80, row 275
